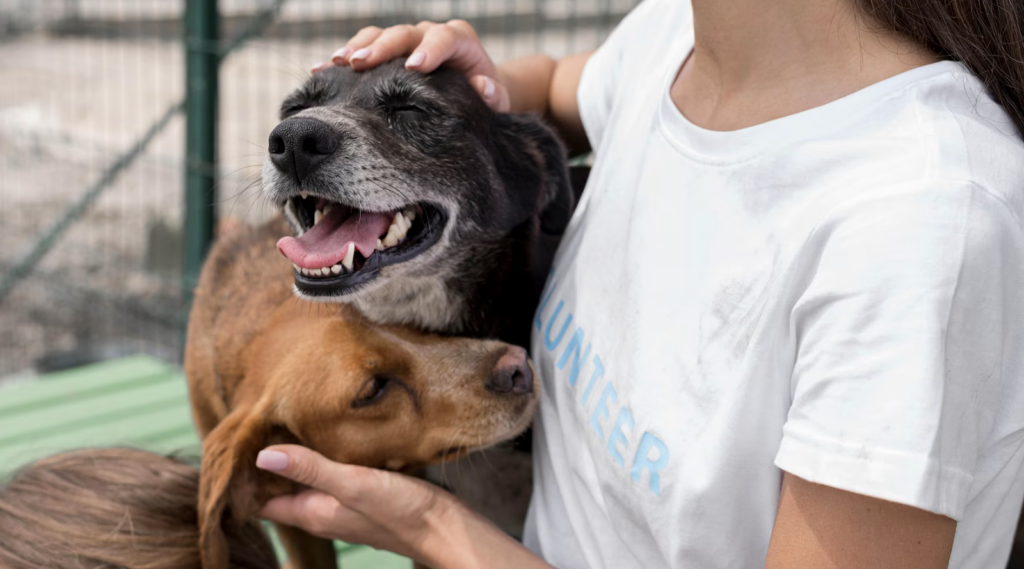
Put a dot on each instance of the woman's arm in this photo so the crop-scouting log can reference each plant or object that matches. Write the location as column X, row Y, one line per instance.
column 540, row 84
column 388, row 511
column 820, row 527
column 536, row 83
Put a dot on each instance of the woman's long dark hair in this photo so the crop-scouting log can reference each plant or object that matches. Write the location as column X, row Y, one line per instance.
column 987, row 36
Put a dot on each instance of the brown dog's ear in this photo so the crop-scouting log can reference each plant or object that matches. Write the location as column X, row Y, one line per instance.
column 229, row 478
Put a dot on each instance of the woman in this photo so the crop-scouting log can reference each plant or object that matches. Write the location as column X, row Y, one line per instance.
column 784, row 328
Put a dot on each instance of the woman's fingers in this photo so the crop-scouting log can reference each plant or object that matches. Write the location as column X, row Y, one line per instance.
column 437, row 46
column 428, row 45
column 396, row 41
column 317, row 512
column 312, row 469
column 361, row 40
column 492, row 92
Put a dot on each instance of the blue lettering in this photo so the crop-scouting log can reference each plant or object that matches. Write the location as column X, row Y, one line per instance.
column 547, row 333
column 643, row 460
column 602, row 407
column 574, row 347
column 598, row 373
column 617, row 436
column 544, row 303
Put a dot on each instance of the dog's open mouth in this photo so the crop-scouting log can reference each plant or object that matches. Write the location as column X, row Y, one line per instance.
column 339, row 247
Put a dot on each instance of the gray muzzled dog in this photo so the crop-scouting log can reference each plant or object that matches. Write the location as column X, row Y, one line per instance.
column 415, row 202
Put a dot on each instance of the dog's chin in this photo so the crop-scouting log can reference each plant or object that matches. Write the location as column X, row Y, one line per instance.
column 509, row 428
column 347, row 277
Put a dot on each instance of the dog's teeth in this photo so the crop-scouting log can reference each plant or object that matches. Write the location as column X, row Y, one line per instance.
column 336, row 269
column 305, row 272
column 317, row 216
column 328, row 208
column 403, row 224
column 380, row 245
column 314, row 272
column 396, row 232
column 289, row 208
column 402, row 230
column 350, row 256
column 390, row 240
column 297, row 268
column 304, row 195
column 410, row 214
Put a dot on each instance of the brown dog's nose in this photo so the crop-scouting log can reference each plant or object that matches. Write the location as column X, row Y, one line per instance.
column 298, row 146
column 512, row 373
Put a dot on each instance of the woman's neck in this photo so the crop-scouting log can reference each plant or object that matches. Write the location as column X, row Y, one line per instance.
column 758, row 60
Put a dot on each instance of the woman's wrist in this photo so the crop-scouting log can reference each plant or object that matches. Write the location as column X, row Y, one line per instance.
column 446, row 534
column 528, row 81
column 459, row 538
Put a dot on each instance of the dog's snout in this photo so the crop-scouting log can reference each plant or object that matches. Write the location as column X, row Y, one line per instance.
column 298, row 146
column 512, row 373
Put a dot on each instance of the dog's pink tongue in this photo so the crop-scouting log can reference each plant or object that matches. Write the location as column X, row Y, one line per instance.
column 326, row 243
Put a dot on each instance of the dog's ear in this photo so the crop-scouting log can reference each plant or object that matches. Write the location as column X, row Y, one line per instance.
column 534, row 141
column 231, row 488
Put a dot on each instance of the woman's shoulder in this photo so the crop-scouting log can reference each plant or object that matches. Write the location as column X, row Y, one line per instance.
column 968, row 136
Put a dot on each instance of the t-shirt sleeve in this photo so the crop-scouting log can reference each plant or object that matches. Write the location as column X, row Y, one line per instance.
column 603, row 72
column 908, row 321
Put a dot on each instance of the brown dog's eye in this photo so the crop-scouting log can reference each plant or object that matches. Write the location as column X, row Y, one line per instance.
column 372, row 392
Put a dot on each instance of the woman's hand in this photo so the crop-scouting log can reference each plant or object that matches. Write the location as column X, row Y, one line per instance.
column 427, row 46
column 535, row 83
column 356, row 504
column 388, row 511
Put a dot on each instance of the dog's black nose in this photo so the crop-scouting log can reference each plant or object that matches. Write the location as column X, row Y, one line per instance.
column 298, row 146
column 512, row 373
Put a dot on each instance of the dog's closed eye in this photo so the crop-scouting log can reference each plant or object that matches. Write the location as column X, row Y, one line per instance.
column 373, row 391
column 405, row 110
column 289, row 110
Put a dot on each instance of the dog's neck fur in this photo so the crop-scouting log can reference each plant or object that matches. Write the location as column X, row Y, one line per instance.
column 498, row 306
column 426, row 303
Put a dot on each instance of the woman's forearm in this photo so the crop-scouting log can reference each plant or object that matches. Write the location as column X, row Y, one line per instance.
column 528, row 80
column 538, row 83
column 462, row 539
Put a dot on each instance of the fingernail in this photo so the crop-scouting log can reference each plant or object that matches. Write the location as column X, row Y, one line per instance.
column 272, row 460
column 341, row 53
column 488, row 88
column 320, row 66
column 415, row 59
column 361, row 54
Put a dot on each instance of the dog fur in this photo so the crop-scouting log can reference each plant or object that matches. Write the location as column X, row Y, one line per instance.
column 265, row 368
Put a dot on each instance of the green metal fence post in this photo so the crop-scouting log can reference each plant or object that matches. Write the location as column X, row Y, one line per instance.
column 202, row 56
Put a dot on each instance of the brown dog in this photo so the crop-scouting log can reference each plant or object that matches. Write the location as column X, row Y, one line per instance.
column 264, row 367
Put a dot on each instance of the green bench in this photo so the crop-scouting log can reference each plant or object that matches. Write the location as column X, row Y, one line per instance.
column 137, row 401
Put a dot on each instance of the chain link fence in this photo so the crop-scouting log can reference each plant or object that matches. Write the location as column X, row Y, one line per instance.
column 82, row 80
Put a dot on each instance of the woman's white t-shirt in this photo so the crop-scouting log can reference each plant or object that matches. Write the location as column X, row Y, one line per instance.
column 836, row 294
